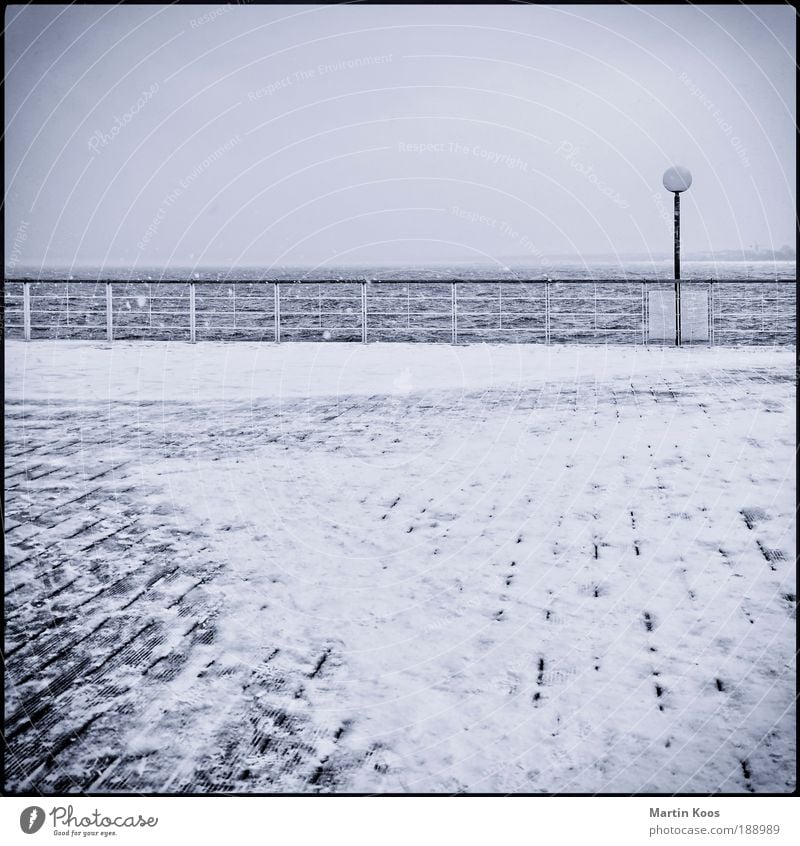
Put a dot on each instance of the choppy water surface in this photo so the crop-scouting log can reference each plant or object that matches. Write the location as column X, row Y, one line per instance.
column 563, row 270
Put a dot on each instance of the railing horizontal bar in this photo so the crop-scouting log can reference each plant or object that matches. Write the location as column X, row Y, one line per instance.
column 724, row 330
column 47, row 328
column 771, row 300
column 289, row 297
column 243, row 313
column 441, row 327
column 407, row 313
column 72, row 297
column 248, row 297
column 399, row 282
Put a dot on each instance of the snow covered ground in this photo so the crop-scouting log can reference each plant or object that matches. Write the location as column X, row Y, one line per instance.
column 401, row 568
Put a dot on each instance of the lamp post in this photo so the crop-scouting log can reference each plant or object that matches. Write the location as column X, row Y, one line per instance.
column 677, row 179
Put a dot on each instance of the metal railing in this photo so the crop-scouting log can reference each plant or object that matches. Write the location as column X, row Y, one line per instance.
column 543, row 311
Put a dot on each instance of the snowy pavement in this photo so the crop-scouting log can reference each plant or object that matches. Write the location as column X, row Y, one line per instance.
column 394, row 568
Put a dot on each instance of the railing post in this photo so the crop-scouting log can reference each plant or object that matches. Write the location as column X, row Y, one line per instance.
column 454, row 314
column 192, row 314
column 547, row 312
column 364, row 312
column 109, row 314
column 711, row 312
column 26, row 310
column 277, row 312
column 644, row 313
column 500, row 297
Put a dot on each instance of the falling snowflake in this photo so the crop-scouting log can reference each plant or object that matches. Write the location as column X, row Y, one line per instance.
column 326, row 335
column 141, row 302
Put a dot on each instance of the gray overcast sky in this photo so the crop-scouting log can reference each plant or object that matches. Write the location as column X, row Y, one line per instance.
column 148, row 135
